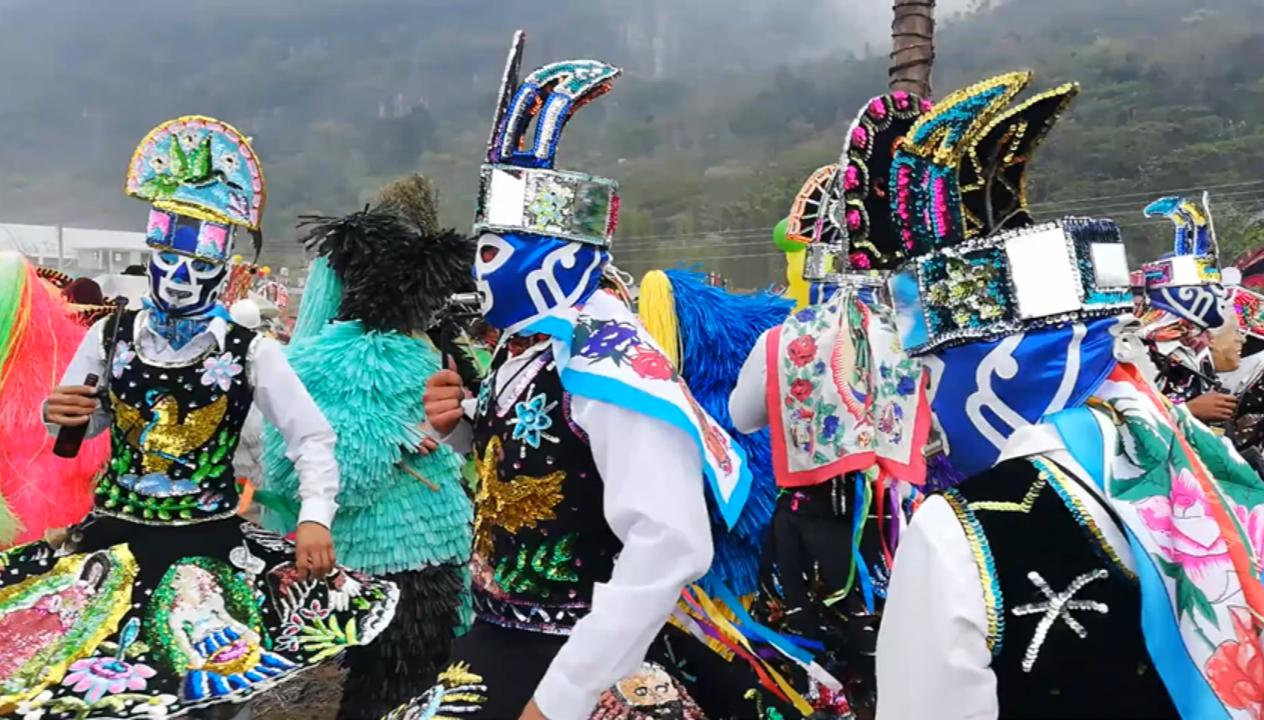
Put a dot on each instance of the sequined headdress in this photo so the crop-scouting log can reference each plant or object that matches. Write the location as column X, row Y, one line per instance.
column 519, row 190
column 1187, row 283
column 203, row 179
column 981, row 269
column 841, row 214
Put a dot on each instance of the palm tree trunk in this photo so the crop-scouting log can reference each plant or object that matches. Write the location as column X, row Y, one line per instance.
column 913, row 46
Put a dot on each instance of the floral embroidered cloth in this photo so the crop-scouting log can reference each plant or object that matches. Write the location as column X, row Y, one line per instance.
column 606, row 355
column 843, row 396
column 1194, row 515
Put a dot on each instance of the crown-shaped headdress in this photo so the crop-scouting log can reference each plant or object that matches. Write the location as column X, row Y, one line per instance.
column 980, row 268
column 520, row 191
column 203, row 179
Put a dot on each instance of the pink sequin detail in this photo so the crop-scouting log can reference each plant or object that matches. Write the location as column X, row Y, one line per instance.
column 926, row 105
column 901, row 99
column 614, row 215
column 851, row 178
column 859, row 260
column 941, row 207
column 859, row 137
column 853, row 219
column 877, row 109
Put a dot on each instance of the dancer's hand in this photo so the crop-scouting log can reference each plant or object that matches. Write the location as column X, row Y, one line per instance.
column 71, row 405
column 1212, row 407
column 314, row 551
column 532, row 712
column 444, row 393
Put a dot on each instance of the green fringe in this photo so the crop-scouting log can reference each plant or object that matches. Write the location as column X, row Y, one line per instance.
column 321, row 298
column 370, row 386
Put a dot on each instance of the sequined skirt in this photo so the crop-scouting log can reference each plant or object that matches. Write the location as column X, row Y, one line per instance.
column 144, row 621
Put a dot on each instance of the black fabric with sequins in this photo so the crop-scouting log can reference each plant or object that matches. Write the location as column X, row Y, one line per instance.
column 540, row 536
column 174, row 431
column 1071, row 644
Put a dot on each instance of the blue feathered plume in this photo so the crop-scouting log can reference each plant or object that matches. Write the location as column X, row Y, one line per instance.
column 718, row 329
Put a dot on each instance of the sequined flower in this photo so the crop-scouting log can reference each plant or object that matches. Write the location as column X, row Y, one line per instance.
column 860, row 261
column 607, row 338
column 97, row 676
column 651, row 364
column 1235, row 669
column 851, row 178
column 801, row 389
column 550, row 205
column 220, row 370
column 315, row 611
column 802, row 350
column 859, row 137
column 123, row 356
column 532, row 419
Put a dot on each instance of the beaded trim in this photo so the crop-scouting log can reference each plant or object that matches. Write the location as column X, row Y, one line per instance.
column 994, row 600
column 1030, row 278
column 1059, row 481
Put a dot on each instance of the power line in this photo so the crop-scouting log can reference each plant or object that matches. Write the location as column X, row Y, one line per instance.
column 1059, row 207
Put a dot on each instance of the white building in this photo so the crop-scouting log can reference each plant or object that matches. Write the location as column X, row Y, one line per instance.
column 77, row 251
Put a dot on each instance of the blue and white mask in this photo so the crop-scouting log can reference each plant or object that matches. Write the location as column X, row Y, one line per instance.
column 983, row 392
column 523, row 277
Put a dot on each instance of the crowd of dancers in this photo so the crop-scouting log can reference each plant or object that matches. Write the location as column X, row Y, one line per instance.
column 980, row 468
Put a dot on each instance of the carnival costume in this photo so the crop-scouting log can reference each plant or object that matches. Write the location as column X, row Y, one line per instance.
column 749, row 670
column 592, row 454
column 1185, row 302
column 1096, row 563
column 380, row 282
column 847, row 409
column 162, row 601
column 38, row 336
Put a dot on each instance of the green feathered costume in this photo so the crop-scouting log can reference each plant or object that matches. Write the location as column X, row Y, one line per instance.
column 361, row 350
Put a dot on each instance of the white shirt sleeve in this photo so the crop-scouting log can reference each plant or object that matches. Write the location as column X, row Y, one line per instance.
column 654, row 503
column 89, row 358
column 933, row 658
column 309, row 440
column 748, row 404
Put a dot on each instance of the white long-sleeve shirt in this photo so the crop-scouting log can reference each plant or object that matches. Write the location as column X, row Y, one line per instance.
column 748, row 403
column 278, row 394
column 933, row 658
column 653, row 501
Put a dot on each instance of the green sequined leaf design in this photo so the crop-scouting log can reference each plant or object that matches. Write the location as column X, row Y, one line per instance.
column 531, row 570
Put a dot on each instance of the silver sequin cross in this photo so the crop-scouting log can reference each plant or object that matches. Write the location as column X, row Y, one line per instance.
column 1058, row 605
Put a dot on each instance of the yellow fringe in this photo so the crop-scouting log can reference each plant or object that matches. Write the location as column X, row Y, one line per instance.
column 796, row 286
column 657, row 308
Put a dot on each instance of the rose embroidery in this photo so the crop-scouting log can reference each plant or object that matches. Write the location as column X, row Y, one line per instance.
column 1235, row 669
column 802, row 350
column 652, row 365
column 220, row 370
column 801, row 389
column 1187, row 534
column 606, row 339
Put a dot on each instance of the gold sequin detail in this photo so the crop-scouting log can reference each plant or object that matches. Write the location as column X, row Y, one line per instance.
column 1061, row 483
column 524, row 501
column 1024, row 507
column 982, row 551
column 119, row 587
column 168, row 437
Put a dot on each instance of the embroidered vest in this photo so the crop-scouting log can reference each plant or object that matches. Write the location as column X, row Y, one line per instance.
column 1064, row 614
column 540, row 536
column 174, row 432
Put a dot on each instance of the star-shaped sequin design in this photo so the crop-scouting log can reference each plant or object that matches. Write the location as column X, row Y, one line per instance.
column 532, row 420
column 521, row 502
column 1058, row 606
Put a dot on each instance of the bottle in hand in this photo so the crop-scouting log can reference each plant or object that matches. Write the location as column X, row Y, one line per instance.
column 69, row 439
